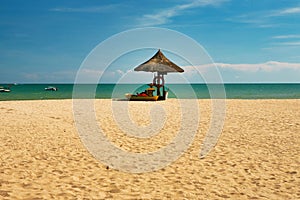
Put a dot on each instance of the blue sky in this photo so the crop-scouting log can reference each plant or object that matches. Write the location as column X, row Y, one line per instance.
column 250, row 41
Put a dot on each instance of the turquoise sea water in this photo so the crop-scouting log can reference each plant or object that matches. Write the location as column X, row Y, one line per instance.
column 107, row 91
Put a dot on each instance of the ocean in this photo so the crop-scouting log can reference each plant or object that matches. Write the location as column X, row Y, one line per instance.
column 108, row 91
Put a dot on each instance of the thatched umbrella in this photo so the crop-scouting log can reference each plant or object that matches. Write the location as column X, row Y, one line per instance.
column 159, row 63
column 162, row 65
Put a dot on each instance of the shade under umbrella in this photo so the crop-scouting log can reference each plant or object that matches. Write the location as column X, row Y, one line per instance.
column 159, row 63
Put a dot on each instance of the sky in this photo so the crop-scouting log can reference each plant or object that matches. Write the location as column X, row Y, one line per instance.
column 249, row 41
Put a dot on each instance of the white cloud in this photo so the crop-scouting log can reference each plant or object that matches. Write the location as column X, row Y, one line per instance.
column 286, row 40
column 268, row 25
column 260, row 19
column 164, row 16
column 270, row 72
column 94, row 9
column 293, row 43
column 267, row 66
column 120, row 72
column 189, row 70
column 230, row 73
column 91, row 71
column 286, row 36
column 288, row 11
column 31, row 76
column 265, row 19
column 48, row 77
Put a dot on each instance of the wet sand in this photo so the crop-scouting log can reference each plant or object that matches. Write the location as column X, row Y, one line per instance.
column 257, row 156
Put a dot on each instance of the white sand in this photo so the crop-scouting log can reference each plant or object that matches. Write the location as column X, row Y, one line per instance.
column 257, row 156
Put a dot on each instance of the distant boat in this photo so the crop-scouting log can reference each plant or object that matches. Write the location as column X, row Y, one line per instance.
column 4, row 89
column 51, row 88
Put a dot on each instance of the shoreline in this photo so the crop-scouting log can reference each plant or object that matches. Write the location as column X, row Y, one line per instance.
column 111, row 91
column 230, row 99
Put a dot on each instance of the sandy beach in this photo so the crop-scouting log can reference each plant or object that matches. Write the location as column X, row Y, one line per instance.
column 257, row 156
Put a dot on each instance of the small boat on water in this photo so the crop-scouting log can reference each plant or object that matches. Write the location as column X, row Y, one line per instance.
column 51, row 88
column 4, row 89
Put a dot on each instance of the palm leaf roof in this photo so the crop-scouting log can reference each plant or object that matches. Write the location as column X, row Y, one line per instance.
column 159, row 63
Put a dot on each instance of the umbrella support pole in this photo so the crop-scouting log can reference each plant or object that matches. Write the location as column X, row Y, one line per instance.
column 158, row 82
